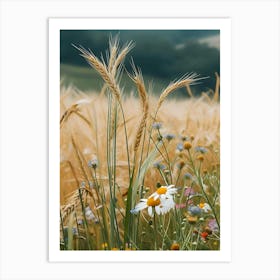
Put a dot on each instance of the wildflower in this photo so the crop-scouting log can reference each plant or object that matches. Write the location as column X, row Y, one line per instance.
column 187, row 145
column 149, row 203
column 169, row 136
column 89, row 215
column 74, row 231
column 163, row 192
column 201, row 149
column 161, row 201
column 204, row 206
column 93, row 163
column 200, row 158
column 180, row 147
column 167, row 203
column 208, row 230
column 175, row 246
column 189, row 191
column 212, row 224
column 157, row 125
column 180, row 164
column 159, row 165
column 194, row 210
column 204, row 235
column 104, row 246
column 192, row 137
column 180, row 206
column 192, row 219
column 190, row 201
column 188, row 176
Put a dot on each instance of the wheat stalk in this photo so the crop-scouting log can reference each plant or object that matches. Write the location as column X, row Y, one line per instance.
column 217, row 87
column 79, row 158
column 67, row 114
column 138, row 80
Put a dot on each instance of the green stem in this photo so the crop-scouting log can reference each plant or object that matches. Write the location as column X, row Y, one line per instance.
column 197, row 174
column 62, row 229
column 167, row 156
column 85, row 220
column 155, row 229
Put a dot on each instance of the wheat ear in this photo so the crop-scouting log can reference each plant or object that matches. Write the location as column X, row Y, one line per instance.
column 113, row 50
column 138, row 80
column 183, row 82
column 101, row 68
column 121, row 56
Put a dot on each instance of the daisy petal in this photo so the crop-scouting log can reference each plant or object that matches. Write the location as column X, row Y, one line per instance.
column 150, row 211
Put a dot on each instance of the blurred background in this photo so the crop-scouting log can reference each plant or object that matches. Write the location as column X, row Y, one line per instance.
column 162, row 55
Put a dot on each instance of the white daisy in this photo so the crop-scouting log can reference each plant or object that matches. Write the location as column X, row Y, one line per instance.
column 163, row 192
column 205, row 207
column 161, row 201
column 89, row 215
column 149, row 203
column 167, row 203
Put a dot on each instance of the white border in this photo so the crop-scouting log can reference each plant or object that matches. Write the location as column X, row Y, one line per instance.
column 222, row 24
column 24, row 143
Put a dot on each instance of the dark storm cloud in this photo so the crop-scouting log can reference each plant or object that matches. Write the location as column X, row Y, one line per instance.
column 164, row 54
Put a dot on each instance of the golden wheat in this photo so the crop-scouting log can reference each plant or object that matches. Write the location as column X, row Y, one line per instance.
column 191, row 117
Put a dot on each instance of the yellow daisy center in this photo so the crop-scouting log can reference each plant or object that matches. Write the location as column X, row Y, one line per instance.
column 152, row 202
column 162, row 190
column 201, row 205
column 175, row 246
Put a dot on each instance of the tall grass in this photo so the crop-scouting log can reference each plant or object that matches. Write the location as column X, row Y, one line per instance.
column 118, row 150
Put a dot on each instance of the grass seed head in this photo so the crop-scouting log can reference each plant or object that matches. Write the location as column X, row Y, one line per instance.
column 187, row 145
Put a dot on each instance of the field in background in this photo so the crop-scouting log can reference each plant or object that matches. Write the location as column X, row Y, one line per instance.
column 198, row 118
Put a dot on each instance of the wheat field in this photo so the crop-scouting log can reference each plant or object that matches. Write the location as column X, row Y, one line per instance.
column 138, row 170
